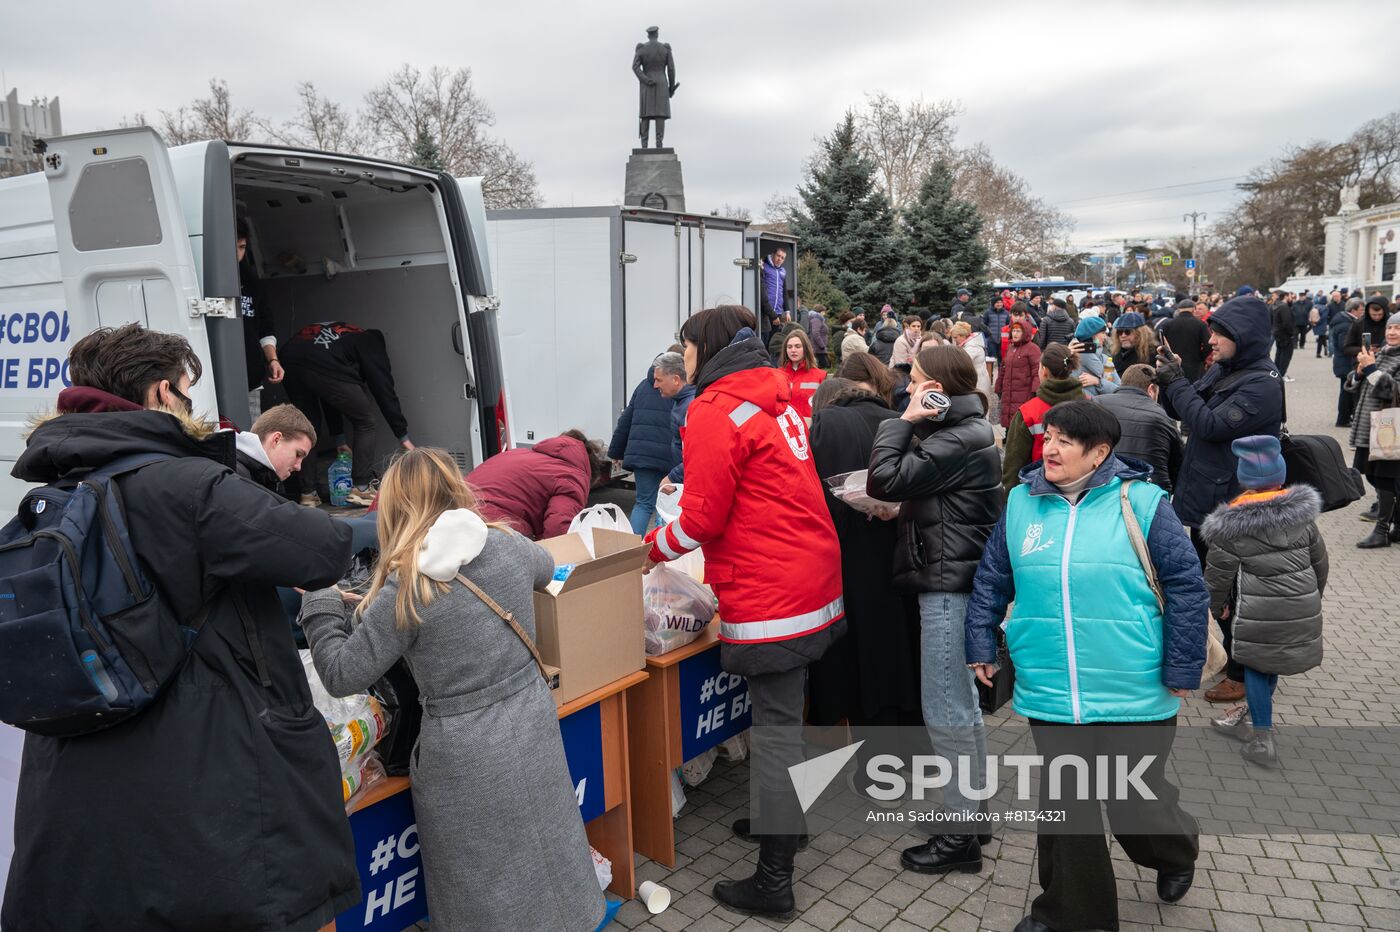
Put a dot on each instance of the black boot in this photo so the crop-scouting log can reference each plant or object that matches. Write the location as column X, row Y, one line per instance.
column 769, row 891
column 944, row 853
column 1380, row 535
column 743, row 830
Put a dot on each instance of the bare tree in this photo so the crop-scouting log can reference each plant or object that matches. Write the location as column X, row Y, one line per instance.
column 319, row 123
column 212, row 117
column 1019, row 229
column 904, row 140
column 732, row 210
column 442, row 105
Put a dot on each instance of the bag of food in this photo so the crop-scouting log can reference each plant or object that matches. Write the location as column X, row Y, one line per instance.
column 676, row 609
column 849, row 487
column 366, row 774
column 668, row 509
column 357, row 723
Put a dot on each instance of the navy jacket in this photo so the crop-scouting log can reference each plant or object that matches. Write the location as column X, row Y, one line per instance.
column 642, row 439
column 1337, row 327
column 682, row 407
column 995, row 319
column 1238, row 397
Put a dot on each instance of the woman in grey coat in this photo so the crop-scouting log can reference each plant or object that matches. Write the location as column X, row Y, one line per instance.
column 1267, row 564
column 503, row 844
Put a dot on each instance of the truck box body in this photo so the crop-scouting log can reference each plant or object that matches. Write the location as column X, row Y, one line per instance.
column 591, row 295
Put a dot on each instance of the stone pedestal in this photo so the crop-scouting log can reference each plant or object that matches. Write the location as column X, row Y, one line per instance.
column 654, row 180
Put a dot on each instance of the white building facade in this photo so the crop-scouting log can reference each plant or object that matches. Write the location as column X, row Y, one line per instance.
column 1363, row 246
column 20, row 125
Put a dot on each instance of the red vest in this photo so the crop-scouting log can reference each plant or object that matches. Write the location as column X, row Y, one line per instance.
column 1033, row 414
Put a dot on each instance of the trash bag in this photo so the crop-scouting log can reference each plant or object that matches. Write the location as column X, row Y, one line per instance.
column 676, row 609
column 397, row 692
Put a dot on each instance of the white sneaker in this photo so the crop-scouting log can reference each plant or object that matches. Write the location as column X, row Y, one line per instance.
column 310, row 499
column 1289, row 378
column 362, row 495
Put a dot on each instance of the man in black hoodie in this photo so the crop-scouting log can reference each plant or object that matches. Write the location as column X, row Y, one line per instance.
column 219, row 806
column 345, row 371
column 1189, row 338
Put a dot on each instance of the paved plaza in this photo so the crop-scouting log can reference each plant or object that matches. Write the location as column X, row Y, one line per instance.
column 1283, row 882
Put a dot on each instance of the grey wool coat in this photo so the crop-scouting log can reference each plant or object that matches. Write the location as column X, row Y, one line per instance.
column 503, row 844
column 1268, row 552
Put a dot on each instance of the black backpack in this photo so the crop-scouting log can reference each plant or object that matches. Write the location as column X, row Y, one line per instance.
column 1316, row 459
column 85, row 639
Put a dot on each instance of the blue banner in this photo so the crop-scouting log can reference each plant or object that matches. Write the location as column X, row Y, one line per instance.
column 391, row 869
column 714, row 704
column 583, row 747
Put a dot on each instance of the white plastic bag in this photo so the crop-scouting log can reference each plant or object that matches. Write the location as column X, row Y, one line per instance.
column 668, row 509
column 849, row 487
column 677, row 794
column 735, row 748
column 676, row 609
column 607, row 516
column 695, row 770
column 602, row 867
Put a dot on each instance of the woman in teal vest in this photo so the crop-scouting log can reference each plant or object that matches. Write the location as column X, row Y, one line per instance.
column 1094, row 649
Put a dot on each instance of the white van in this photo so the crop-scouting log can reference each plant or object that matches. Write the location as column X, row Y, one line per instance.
column 119, row 228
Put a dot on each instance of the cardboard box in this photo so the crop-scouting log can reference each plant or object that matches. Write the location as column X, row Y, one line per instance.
column 592, row 630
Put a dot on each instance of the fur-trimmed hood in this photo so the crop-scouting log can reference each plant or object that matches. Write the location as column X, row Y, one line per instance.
column 853, row 394
column 60, row 444
column 1298, row 505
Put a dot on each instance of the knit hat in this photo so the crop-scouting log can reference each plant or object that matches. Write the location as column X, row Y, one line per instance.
column 1088, row 326
column 1185, row 303
column 1244, row 290
column 886, row 311
column 1394, row 320
column 1130, row 321
column 964, row 291
column 1060, row 303
column 1261, row 464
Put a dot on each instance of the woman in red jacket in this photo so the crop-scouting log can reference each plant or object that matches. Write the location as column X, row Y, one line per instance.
column 1019, row 374
column 803, row 375
column 539, row 490
column 753, row 502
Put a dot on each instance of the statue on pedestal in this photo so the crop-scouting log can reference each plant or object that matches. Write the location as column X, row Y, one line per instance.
column 656, row 72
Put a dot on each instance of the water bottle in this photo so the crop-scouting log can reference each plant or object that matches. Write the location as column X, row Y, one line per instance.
column 97, row 670
column 340, row 482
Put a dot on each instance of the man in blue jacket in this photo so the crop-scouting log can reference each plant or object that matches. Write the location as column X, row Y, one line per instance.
column 774, row 291
column 1342, row 364
column 642, row 443
column 1240, row 396
column 671, row 383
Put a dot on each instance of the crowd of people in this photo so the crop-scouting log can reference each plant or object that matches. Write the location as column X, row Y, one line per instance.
column 1080, row 486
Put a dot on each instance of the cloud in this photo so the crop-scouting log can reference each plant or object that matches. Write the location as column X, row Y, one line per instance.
column 1079, row 98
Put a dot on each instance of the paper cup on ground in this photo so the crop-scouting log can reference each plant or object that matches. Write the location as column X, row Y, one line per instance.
column 654, row 896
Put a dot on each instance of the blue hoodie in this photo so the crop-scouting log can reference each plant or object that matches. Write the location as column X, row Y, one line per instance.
column 1237, row 397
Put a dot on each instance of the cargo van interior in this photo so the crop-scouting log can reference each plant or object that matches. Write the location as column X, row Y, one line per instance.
column 333, row 245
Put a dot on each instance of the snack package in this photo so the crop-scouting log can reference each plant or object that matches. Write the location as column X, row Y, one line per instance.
column 366, row 774
column 356, row 723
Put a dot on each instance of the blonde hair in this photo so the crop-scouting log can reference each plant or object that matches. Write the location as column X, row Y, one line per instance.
column 417, row 488
column 961, row 330
column 1146, row 345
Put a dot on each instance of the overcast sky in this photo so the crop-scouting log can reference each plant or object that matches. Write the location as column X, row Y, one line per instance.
column 1090, row 103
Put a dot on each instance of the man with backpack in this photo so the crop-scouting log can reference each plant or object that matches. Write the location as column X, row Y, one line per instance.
column 211, row 799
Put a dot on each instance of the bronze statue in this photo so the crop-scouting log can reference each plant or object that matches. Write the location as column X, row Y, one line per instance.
column 656, row 71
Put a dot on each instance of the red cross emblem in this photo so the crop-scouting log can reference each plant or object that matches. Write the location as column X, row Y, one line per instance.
column 790, row 423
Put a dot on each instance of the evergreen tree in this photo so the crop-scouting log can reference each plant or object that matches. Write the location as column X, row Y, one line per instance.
column 945, row 251
column 815, row 287
column 847, row 223
column 426, row 153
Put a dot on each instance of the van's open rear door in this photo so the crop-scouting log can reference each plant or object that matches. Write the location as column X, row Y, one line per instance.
column 466, row 222
column 123, row 248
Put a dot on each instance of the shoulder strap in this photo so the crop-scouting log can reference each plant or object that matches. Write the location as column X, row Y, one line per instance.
column 1140, row 543
column 509, row 619
column 126, row 464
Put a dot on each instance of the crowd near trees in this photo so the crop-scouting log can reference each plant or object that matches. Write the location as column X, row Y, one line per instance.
column 434, row 118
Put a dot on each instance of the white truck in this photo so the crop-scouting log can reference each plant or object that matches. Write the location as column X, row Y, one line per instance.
column 119, row 228
column 591, row 295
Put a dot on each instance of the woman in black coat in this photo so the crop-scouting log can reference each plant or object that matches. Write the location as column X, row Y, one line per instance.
column 871, row 675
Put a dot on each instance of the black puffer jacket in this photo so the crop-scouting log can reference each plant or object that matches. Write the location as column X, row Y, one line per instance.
column 882, row 347
column 1148, row 434
column 948, row 474
column 219, row 807
column 1055, row 327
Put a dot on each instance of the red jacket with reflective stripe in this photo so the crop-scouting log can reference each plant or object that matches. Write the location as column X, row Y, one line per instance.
column 1033, row 413
column 802, row 385
column 753, row 502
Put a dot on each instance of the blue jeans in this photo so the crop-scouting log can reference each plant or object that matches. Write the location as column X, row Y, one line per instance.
column 1259, row 694
column 952, row 712
column 648, row 483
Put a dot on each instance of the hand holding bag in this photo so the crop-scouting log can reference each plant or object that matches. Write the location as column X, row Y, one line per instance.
column 1216, row 657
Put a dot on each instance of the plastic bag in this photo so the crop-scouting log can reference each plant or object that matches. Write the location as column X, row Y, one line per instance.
column 677, row 794
column 668, row 509
column 602, row 867
column 676, row 609
column 607, row 516
column 735, row 748
column 849, row 487
column 697, row 769
column 356, row 723
column 369, row 772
